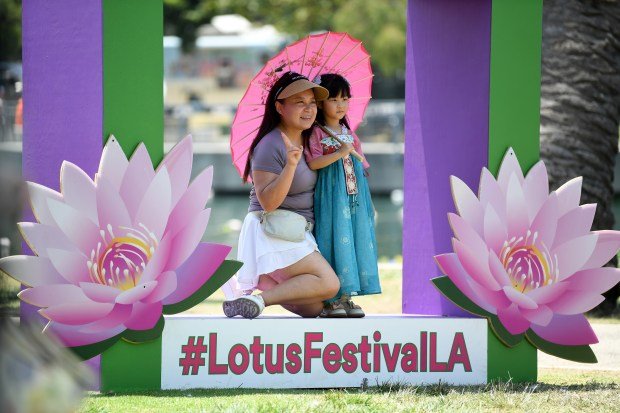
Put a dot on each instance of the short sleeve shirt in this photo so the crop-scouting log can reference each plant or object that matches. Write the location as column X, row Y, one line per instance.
column 270, row 156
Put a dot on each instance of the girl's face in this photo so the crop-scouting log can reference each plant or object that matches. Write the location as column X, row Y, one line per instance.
column 298, row 111
column 335, row 107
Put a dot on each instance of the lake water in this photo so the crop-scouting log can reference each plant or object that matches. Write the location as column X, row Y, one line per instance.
column 227, row 213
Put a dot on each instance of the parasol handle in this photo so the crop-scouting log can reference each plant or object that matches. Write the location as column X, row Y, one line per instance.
column 327, row 131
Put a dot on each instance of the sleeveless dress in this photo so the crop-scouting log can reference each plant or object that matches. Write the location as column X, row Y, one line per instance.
column 344, row 216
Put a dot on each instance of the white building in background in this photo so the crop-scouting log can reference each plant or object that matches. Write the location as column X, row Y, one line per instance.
column 230, row 50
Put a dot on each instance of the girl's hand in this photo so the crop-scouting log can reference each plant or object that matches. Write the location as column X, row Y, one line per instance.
column 345, row 149
column 293, row 153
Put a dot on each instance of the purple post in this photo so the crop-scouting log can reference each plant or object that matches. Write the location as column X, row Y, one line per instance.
column 63, row 98
column 63, row 94
column 446, row 133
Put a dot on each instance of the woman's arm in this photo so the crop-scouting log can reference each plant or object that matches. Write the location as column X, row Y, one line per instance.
column 271, row 189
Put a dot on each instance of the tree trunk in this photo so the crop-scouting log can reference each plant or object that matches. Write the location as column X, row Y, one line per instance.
column 580, row 102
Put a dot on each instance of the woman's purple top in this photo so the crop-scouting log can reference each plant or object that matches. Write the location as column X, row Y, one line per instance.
column 270, row 156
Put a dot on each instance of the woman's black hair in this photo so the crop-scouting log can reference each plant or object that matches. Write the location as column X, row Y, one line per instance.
column 271, row 118
column 336, row 85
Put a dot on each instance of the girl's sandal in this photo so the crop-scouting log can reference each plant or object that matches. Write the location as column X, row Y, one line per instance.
column 353, row 310
column 333, row 310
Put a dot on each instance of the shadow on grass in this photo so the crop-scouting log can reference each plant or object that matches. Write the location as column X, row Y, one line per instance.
column 383, row 388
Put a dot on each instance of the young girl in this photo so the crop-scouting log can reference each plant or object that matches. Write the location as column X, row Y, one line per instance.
column 344, row 214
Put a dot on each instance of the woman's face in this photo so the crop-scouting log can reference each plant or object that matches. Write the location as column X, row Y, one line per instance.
column 298, row 111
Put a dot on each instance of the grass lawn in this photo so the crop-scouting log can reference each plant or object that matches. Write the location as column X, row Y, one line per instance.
column 557, row 390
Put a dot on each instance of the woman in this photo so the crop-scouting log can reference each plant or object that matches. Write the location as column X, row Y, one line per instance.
column 291, row 274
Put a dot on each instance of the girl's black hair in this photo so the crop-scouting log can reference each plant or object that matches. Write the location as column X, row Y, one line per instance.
column 336, row 85
column 271, row 118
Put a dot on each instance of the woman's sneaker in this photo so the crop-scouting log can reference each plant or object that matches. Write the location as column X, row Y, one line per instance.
column 247, row 306
column 353, row 310
column 333, row 310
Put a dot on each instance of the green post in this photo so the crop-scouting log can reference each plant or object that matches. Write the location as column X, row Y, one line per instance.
column 133, row 113
column 514, row 121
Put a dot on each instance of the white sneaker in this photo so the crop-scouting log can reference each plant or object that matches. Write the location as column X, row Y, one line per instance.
column 247, row 306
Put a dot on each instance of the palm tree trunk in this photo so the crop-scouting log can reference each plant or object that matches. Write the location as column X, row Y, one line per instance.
column 580, row 102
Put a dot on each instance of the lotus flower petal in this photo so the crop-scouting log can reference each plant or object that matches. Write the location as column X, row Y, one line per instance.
column 475, row 266
column 39, row 237
column 110, row 206
column 573, row 254
column 466, row 234
column 99, row 292
column 467, row 204
column 137, row 179
column 113, row 163
column 78, row 190
column 186, row 240
column 158, row 262
column 541, row 315
column 144, row 316
column 575, row 223
column 191, row 203
column 509, row 167
column 166, row 285
column 451, row 266
column 575, row 302
column 495, row 232
column 520, row 299
column 569, row 195
column 573, row 330
column 596, row 279
column 178, row 162
column 607, row 246
column 78, row 228
column 77, row 313
column 31, row 271
column 516, row 207
column 117, row 317
column 72, row 336
column 71, row 265
column 548, row 293
column 536, row 188
column 498, row 271
column 136, row 293
column 197, row 269
column 154, row 209
column 491, row 194
column 513, row 320
column 546, row 221
column 48, row 295
column 39, row 196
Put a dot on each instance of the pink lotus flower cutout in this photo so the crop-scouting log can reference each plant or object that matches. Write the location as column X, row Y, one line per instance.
column 528, row 256
column 113, row 253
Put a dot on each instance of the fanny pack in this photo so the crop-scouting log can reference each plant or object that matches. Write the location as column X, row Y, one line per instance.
column 286, row 225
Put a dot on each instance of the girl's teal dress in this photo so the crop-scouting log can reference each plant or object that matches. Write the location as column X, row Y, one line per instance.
column 344, row 221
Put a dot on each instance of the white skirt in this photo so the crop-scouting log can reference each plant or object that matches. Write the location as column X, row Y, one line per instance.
column 262, row 254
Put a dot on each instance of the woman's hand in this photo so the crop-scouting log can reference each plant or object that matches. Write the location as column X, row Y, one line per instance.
column 293, row 153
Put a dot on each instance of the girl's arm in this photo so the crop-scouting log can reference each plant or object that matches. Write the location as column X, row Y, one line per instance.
column 326, row 160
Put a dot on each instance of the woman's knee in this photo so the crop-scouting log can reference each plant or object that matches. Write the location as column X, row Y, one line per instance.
column 331, row 285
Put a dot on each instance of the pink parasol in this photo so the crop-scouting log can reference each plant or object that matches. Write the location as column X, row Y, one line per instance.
column 311, row 56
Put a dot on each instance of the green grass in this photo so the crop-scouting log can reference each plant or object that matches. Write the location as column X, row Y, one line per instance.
column 557, row 390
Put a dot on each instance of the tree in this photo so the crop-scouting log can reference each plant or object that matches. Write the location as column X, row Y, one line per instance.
column 580, row 102
column 10, row 30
